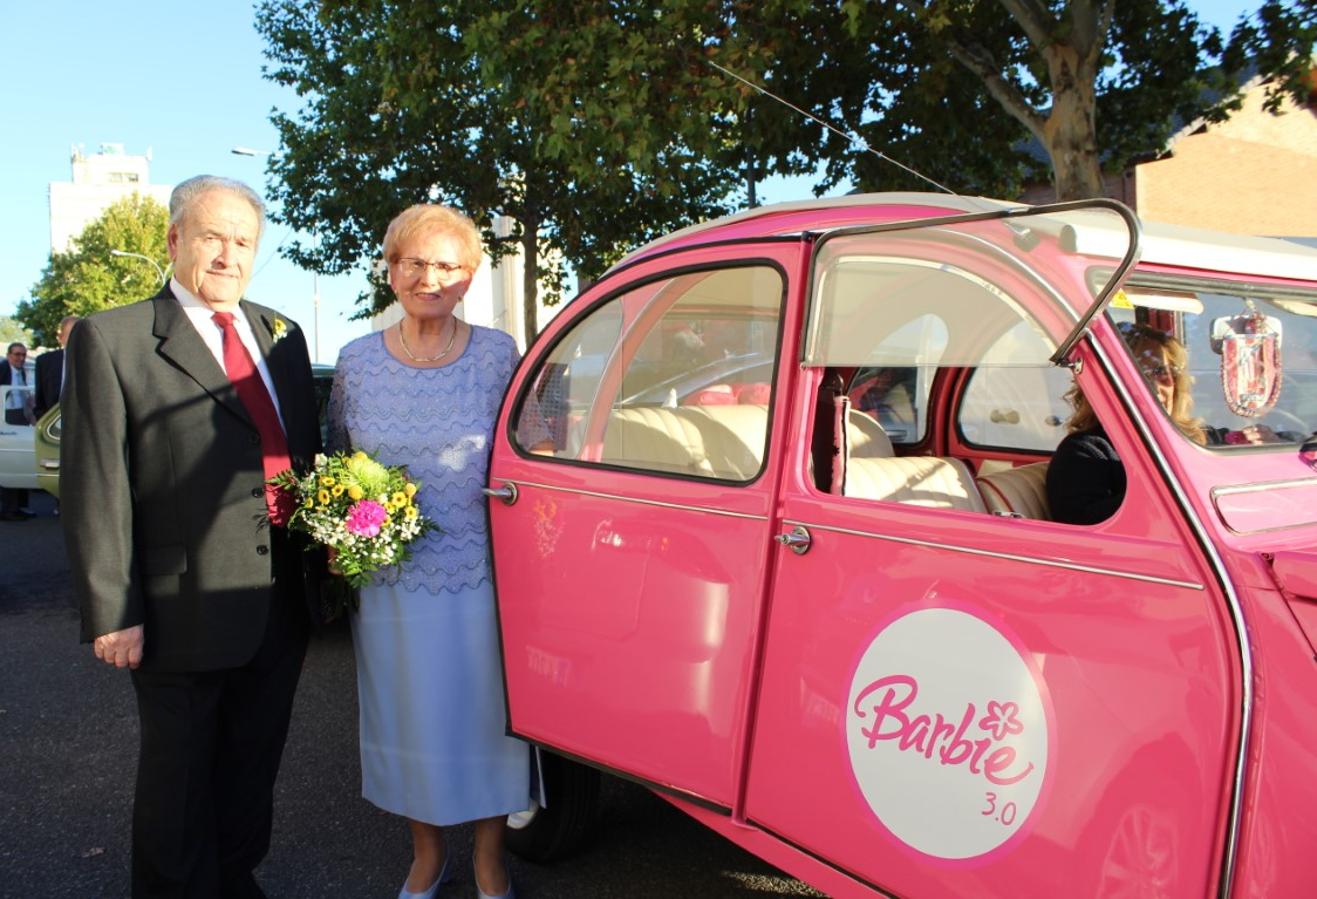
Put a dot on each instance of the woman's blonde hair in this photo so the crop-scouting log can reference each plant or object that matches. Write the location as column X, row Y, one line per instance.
column 1143, row 339
column 430, row 218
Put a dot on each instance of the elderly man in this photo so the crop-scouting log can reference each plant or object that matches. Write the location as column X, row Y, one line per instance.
column 176, row 411
column 18, row 411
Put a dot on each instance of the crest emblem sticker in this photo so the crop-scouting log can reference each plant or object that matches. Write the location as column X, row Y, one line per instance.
column 1249, row 344
column 947, row 730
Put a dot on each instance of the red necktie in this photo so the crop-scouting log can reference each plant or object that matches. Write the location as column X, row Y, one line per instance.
column 255, row 398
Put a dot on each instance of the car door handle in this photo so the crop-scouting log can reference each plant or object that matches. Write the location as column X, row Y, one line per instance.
column 798, row 540
column 507, row 494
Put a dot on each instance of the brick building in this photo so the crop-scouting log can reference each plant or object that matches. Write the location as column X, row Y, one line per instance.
column 1255, row 173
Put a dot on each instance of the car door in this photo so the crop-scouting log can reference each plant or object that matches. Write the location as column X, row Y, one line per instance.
column 960, row 704
column 631, row 545
column 17, row 446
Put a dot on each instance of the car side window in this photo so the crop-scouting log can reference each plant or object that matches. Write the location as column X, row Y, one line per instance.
column 1015, row 407
column 896, row 396
column 673, row 375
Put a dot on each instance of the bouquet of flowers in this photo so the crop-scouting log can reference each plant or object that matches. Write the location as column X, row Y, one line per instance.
column 364, row 511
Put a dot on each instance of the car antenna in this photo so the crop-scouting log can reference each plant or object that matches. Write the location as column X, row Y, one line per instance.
column 1024, row 237
column 851, row 136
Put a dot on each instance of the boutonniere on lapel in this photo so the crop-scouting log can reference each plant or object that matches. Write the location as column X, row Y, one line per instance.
column 278, row 330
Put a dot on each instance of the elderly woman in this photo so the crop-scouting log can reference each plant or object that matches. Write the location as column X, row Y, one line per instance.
column 425, row 393
column 1086, row 480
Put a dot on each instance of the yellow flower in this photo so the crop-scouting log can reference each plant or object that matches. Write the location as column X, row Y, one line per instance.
column 400, row 499
column 323, row 496
column 355, row 493
column 388, row 520
column 337, row 490
column 326, row 481
column 409, row 489
column 309, row 503
column 359, row 456
column 278, row 330
column 410, row 512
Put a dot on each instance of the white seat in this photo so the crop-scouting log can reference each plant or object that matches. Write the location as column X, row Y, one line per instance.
column 930, row 481
column 1018, row 491
column 713, row 441
column 865, row 437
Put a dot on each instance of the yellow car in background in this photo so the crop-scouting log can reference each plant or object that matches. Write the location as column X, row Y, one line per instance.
column 47, row 451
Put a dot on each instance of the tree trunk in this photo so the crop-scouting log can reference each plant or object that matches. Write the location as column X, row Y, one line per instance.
column 1070, row 132
column 530, row 276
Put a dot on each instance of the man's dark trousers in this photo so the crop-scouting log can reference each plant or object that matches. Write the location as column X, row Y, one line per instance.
column 234, row 723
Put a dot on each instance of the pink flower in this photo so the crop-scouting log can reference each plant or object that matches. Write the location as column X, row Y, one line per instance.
column 365, row 518
column 1002, row 719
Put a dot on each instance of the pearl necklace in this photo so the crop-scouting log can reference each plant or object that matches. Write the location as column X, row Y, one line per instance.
column 402, row 340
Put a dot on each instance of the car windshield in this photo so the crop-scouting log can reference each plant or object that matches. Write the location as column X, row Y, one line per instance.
column 1238, row 367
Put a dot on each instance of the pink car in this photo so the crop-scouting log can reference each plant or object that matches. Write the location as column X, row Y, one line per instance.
column 819, row 600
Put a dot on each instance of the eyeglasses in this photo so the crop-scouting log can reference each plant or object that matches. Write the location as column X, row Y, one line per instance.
column 415, row 268
column 1161, row 371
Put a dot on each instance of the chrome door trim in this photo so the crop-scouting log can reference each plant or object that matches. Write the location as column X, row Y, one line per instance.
column 684, row 507
column 973, row 551
column 1259, row 486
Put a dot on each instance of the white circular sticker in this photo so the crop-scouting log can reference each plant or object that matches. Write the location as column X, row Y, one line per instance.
column 947, row 733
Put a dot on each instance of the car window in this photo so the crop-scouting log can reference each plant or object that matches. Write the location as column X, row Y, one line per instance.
column 673, row 375
column 1015, row 408
column 17, row 400
column 1250, row 358
column 896, row 397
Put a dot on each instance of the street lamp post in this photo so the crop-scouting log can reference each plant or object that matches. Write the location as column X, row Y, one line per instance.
column 160, row 273
column 315, row 275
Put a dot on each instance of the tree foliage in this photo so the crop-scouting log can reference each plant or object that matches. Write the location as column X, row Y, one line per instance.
column 13, row 332
column 968, row 91
column 594, row 126
column 88, row 279
column 587, row 124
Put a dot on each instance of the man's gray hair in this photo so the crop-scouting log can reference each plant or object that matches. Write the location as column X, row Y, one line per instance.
column 186, row 193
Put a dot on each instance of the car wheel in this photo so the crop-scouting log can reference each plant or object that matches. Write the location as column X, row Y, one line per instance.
column 559, row 828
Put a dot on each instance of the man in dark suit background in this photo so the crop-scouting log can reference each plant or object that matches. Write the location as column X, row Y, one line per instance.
column 176, row 410
column 18, row 411
column 50, row 370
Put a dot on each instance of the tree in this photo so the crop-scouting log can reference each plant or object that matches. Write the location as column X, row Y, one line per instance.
column 12, row 332
column 1092, row 82
column 87, row 279
column 565, row 116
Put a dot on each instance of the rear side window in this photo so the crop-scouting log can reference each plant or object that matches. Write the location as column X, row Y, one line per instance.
column 1015, row 407
column 673, row 375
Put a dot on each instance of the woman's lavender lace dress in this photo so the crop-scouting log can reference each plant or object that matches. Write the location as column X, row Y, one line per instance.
column 428, row 680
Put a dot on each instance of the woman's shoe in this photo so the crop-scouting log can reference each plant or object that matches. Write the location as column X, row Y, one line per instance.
column 481, row 894
column 433, row 891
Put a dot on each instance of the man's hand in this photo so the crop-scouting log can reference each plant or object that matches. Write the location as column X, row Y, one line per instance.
column 122, row 649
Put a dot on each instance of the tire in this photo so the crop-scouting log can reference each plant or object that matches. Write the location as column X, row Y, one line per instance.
column 560, row 828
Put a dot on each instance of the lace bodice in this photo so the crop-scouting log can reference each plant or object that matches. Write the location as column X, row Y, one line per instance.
column 438, row 422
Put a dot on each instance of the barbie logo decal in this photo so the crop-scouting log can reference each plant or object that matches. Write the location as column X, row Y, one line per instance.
column 947, row 733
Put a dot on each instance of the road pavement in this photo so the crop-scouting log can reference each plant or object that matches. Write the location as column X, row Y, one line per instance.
column 68, row 748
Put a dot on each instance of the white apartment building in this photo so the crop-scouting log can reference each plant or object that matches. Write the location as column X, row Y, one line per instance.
column 98, row 180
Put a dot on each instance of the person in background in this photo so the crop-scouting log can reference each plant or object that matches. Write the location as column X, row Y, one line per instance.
column 50, row 369
column 176, row 411
column 18, row 411
column 1086, row 480
column 425, row 393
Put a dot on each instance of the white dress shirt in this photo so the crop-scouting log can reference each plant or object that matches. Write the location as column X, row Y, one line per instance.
column 200, row 316
column 17, row 378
